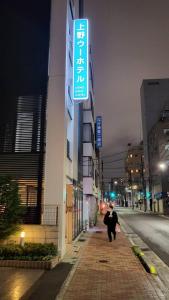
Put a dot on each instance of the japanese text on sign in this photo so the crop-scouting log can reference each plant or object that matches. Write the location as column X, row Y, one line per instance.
column 80, row 59
column 98, row 132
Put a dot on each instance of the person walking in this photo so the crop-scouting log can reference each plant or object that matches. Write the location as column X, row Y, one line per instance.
column 111, row 219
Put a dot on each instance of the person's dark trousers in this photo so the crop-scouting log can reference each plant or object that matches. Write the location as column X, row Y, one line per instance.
column 109, row 232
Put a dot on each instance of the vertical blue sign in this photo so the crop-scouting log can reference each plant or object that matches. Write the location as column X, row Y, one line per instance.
column 80, row 60
column 98, row 132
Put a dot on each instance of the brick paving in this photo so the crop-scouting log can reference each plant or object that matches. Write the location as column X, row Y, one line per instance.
column 109, row 271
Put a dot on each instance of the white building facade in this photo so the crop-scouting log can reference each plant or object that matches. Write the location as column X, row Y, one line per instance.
column 62, row 187
column 91, row 188
column 41, row 139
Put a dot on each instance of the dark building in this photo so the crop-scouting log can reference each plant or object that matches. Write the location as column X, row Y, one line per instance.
column 154, row 96
column 158, row 147
column 24, row 50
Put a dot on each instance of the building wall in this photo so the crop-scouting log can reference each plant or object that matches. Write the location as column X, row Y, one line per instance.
column 135, row 174
column 134, row 163
column 91, row 190
column 62, row 136
column 56, row 136
column 37, row 67
column 154, row 96
column 158, row 145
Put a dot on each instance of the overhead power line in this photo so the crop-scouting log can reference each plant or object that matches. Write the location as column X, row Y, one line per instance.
column 113, row 168
column 113, row 154
column 112, row 161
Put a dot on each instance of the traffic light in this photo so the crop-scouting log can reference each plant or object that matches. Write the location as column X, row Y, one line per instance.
column 112, row 195
column 148, row 195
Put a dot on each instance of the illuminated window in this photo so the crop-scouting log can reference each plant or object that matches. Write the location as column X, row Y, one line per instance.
column 24, row 129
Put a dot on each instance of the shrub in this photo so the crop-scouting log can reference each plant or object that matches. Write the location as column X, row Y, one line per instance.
column 10, row 208
column 29, row 251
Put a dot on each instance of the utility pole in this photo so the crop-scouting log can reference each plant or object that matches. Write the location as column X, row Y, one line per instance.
column 131, row 184
column 143, row 183
column 102, row 183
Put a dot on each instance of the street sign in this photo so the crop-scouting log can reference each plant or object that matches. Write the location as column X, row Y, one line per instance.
column 80, row 60
column 98, row 132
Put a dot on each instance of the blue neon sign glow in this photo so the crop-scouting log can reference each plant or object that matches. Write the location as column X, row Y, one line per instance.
column 80, row 59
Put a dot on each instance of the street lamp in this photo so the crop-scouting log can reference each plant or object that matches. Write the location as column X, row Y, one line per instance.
column 162, row 166
column 164, row 184
column 115, row 182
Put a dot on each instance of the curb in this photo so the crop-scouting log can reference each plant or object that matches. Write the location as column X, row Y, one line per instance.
column 149, row 267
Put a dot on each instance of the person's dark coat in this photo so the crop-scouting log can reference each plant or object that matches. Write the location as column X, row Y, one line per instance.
column 111, row 221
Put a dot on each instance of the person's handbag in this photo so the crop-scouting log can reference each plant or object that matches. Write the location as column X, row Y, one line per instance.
column 117, row 229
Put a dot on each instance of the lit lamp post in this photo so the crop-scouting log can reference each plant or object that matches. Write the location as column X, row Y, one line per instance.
column 115, row 186
column 131, row 185
column 163, row 167
column 22, row 238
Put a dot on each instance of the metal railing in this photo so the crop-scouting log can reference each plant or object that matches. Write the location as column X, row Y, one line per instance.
column 50, row 214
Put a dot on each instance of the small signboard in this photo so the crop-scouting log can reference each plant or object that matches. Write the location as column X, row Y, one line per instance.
column 80, row 60
column 98, row 132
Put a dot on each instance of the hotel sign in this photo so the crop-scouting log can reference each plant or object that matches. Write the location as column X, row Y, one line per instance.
column 98, row 132
column 80, row 60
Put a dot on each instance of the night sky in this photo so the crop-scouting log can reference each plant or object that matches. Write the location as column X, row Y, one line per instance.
column 130, row 42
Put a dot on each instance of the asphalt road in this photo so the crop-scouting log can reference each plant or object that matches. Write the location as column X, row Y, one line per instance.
column 152, row 229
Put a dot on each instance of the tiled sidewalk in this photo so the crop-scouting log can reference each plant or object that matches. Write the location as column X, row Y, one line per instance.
column 109, row 271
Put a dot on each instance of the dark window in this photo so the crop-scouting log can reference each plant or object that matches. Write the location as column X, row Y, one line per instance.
column 91, row 74
column 92, row 106
column 96, row 179
column 153, row 83
column 70, row 59
column 88, row 136
column 68, row 150
column 69, row 103
column 89, row 105
column 71, row 9
column 88, row 166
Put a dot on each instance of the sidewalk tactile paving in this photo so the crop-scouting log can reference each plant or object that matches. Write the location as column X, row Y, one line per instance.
column 121, row 277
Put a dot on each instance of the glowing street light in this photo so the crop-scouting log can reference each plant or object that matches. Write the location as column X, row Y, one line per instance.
column 162, row 166
column 115, row 182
